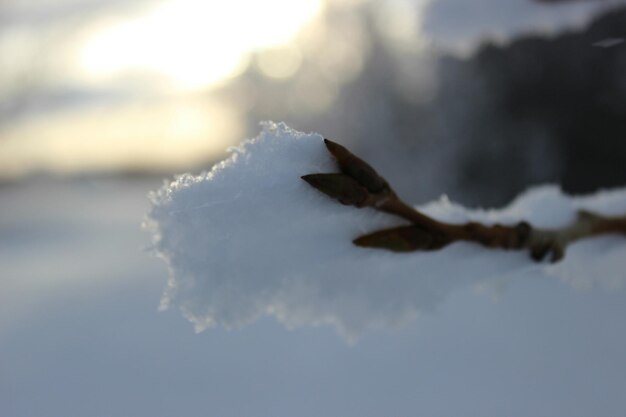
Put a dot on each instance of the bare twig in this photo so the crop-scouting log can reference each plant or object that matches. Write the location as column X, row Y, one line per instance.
column 360, row 185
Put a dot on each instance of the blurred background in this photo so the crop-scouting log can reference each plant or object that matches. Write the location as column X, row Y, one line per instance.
column 100, row 100
column 476, row 101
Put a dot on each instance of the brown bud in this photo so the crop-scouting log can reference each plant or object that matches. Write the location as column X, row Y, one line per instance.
column 523, row 231
column 356, row 168
column 558, row 252
column 403, row 239
column 340, row 187
column 554, row 248
column 539, row 251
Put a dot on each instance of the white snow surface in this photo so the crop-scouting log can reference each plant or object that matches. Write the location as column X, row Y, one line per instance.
column 249, row 238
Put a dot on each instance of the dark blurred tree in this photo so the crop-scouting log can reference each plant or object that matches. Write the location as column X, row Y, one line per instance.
column 538, row 109
column 562, row 96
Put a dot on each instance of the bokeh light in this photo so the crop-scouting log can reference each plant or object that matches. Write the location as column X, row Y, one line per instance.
column 194, row 43
column 126, row 87
column 134, row 136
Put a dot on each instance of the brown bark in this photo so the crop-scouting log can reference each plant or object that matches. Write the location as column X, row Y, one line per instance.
column 361, row 186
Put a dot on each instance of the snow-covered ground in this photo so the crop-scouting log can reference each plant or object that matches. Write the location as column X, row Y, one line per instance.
column 80, row 334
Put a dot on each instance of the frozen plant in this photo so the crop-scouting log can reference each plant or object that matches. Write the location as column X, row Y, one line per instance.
column 250, row 239
column 359, row 185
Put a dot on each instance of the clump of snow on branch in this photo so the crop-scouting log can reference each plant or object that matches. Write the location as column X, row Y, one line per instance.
column 250, row 238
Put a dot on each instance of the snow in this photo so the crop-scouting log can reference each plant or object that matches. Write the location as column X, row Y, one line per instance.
column 250, row 239
column 80, row 334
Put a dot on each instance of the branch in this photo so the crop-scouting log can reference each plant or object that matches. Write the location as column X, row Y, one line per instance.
column 360, row 185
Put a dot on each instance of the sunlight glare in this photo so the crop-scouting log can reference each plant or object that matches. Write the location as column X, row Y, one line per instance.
column 148, row 134
column 194, row 43
column 281, row 62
